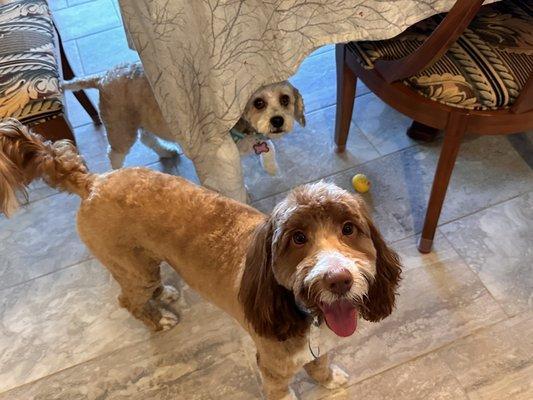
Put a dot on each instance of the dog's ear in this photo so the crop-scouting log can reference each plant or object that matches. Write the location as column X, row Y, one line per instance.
column 382, row 291
column 299, row 108
column 269, row 307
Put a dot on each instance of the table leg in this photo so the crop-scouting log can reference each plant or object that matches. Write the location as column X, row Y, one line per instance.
column 218, row 166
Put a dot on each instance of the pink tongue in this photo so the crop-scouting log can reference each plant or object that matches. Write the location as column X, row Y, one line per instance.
column 341, row 317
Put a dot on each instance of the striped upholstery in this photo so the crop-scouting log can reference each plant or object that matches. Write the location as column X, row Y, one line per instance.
column 29, row 84
column 485, row 69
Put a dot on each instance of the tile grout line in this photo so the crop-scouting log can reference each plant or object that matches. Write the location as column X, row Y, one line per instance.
column 436, row 349
column 341, row 171
column 89, row 258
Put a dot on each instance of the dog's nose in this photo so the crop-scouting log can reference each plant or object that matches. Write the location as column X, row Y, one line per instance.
column 338, row 280
column 277, row 121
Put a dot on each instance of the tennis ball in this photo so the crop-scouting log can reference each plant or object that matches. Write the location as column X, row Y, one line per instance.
column 361, row 183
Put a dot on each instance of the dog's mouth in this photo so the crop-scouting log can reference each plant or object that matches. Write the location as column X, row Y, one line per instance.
column 341, row 316
column 276, row 131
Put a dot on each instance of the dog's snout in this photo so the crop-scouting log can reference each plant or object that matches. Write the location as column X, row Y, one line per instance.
column 338, row 280
column 277, row 121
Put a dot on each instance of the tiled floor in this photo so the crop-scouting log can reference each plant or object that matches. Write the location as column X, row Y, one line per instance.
column 463, row 328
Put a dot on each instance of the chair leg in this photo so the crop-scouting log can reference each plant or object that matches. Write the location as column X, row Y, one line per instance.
column 346, row 85
column 453, row 135
column 81, row 96
column 55, row 129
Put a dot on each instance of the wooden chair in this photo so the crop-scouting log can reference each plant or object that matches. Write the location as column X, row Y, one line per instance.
column 468, row 71
column 32, row 60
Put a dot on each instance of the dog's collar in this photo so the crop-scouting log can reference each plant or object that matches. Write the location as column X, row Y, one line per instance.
column 237, row 136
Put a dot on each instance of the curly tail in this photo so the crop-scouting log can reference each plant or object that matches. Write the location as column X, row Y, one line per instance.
column 24, row 156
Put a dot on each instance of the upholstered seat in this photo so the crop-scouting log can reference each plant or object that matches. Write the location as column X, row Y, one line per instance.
column 485, row 69
column 29, row 73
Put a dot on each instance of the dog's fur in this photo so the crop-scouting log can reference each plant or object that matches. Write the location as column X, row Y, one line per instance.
column 128, row 106
column 248, row 264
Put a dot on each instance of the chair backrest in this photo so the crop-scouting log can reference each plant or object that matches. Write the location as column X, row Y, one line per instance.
column 448, row 31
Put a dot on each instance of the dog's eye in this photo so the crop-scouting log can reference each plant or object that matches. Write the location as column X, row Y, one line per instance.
column 299, row 238
column 347, row 229
column 284, row 100
column 259, row 104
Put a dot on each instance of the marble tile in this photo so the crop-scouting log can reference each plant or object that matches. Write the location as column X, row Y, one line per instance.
column 77, row 116
column 426, row 378
column 440, row 300
column 40, row 238
column 104, row 50
column 71, row 50
column 203, row 356
column 495, row 363
column 76, row 2
column 523, row 144
column 59, row 320
column 401, row 183
column 316, row 157
column 317, row 82
column 57, row 4
column 85, row 19
column 497, row 243
column 382, row 125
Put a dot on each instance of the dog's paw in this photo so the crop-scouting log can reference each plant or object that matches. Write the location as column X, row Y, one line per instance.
column 168, row 320
column 338, row 379
column 169, row 294
column 289, row 396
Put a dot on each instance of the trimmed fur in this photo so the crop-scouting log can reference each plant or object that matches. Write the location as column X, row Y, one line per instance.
column 234, row 256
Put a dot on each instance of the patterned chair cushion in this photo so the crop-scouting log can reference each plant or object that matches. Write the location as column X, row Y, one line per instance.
column 29, row 84
column 485, row 69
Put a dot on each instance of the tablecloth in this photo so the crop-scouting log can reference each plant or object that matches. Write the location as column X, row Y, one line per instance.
column 205, row 58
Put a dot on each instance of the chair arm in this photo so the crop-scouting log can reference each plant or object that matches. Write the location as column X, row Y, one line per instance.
column 434, row 46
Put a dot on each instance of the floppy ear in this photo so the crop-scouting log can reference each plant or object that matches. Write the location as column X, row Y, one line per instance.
column 382, row 292
column 269, row 307
column 299, row 108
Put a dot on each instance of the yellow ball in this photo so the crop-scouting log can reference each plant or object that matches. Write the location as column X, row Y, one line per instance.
column 361, row 183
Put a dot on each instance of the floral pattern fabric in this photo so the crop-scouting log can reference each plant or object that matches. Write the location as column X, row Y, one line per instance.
column 485, row 69
column 29, row 84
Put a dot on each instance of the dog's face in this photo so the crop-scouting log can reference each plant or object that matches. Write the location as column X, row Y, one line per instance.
column 272, row 109
column 320, row 252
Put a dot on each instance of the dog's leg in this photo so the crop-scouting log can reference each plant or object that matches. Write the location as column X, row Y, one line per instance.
column 276, row 376
column 218, row 165
column 121, row 137
column 143, row 294
column 162, row 150
column 166, row 294
column 326, row 374
column 268, row 159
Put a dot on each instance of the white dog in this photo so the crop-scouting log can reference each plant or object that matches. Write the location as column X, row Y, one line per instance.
column 127, row 105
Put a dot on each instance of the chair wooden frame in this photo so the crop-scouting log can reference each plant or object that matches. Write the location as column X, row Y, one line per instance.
column 383, row 81
column 59, row 127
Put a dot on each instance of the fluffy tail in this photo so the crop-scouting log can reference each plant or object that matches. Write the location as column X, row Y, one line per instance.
column 24, row 156
column 87, row 82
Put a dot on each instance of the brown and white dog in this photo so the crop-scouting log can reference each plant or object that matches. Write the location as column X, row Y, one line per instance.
column 317, row 257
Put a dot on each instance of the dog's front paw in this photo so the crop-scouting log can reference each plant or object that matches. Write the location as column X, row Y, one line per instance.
column 289, row 396
column 168, row 320
column 168, row 295
column 338, row 378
